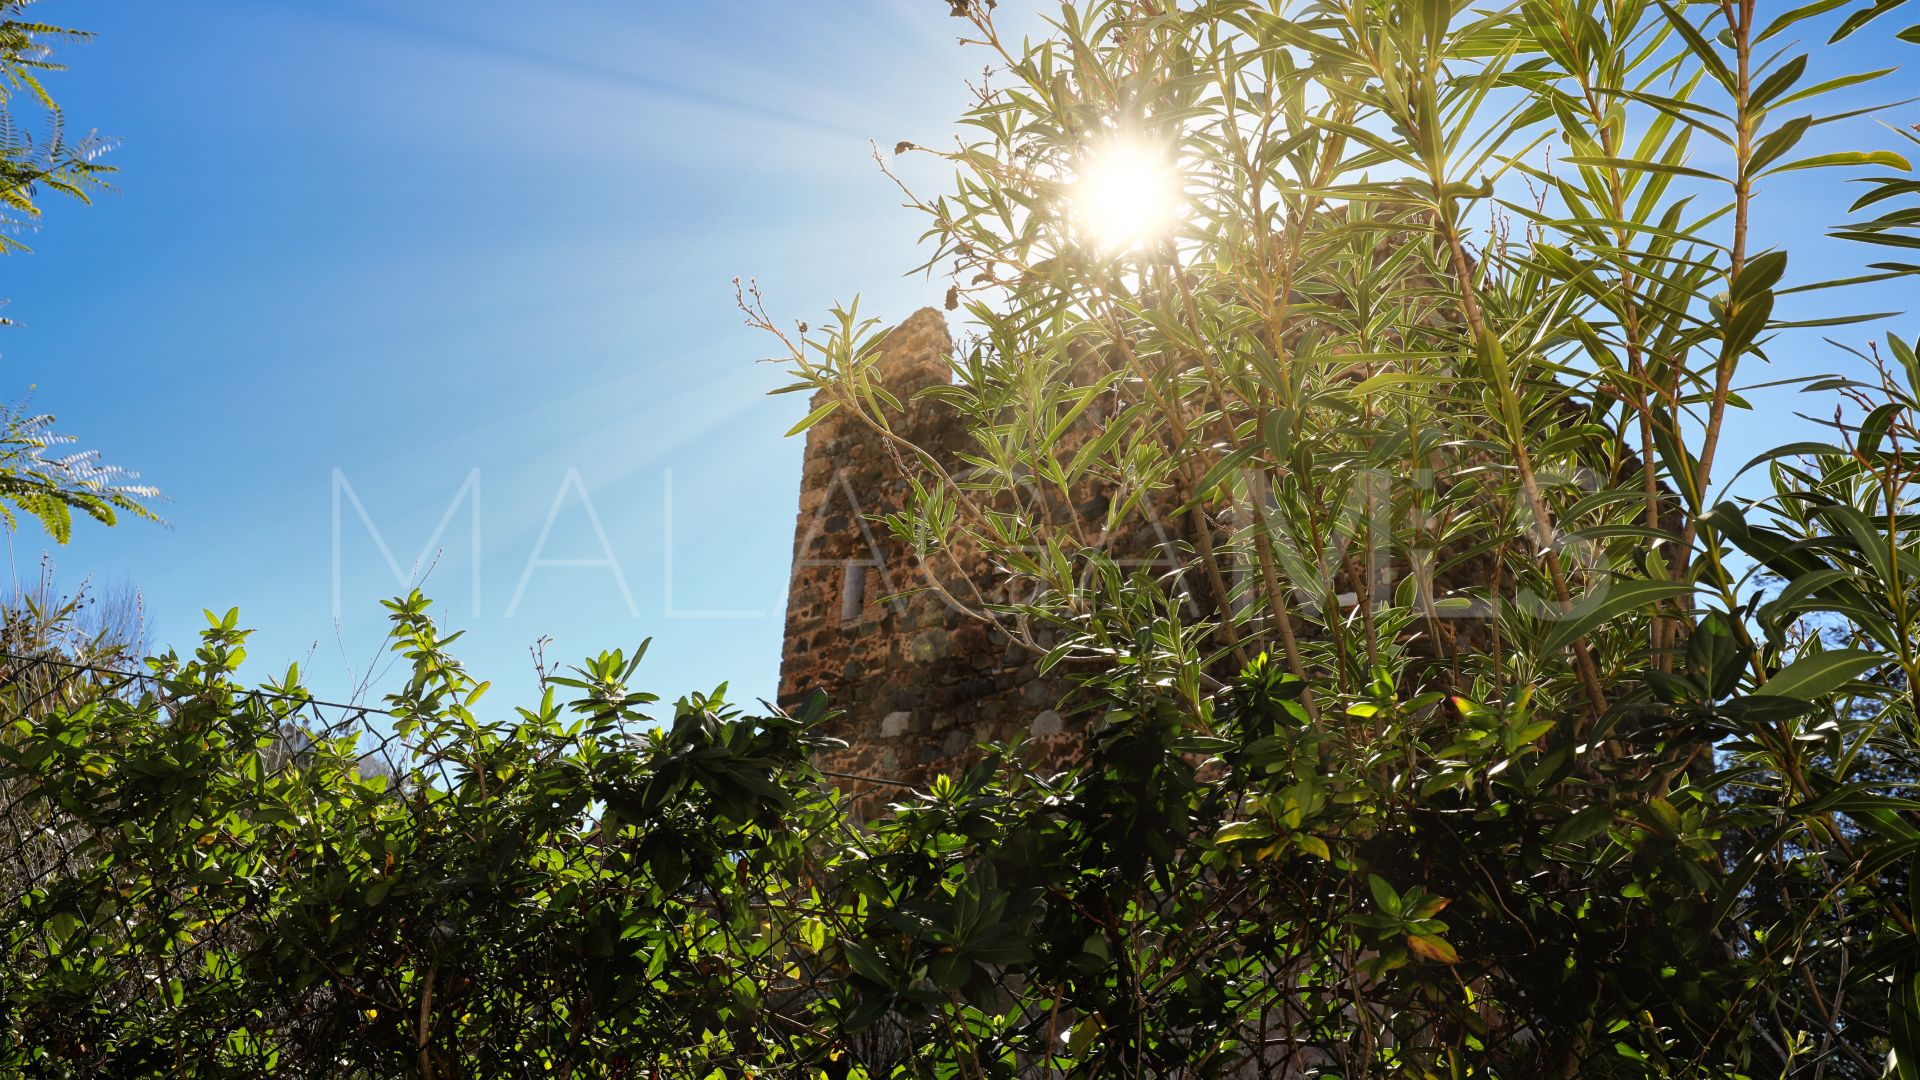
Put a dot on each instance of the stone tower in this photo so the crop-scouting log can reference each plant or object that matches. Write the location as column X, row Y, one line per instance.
column 919, row 682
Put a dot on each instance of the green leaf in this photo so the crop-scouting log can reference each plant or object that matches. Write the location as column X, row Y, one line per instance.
column 1874, row 428
column 1384, row 897
column 1884, row 188
column 1583, row 825
column 868, row 964
column 1702, row 49
column 1799, row 14
column 1862, row 17
column 813, row 418
column 1221, row 471
column 1313, row 845
column 1775, row 144
column 1239, row 831
column 1276, row 430
column 949, row 971
column 1831, row 85
column 1641, row 165
column 1715, row 654
column 1846, row 158
column 1795, row 449
column 1760, row 274
column 1778, row 82
column 1400, row 378
column 1799, row 595
column 1815, row 676
column 1903, row 1024
column 1607, row 602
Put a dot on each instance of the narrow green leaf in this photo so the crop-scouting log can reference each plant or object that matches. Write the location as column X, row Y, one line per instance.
column 1606, row 602
column 813, row 418
column 1584, row 825
column 1778, row 82
column 1862, row 17
column 1818, row 7
column 1815, row 676
column 1845, row 159
column 1641, row 165
column 1701, row 48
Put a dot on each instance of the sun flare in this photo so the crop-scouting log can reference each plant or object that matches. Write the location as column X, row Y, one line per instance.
column 1127, row 195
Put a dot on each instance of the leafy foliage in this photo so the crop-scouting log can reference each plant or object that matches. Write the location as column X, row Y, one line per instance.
column 87, row 625
column 50, row 487
column 1463, row 726
column 52, row 161
column 206, row 879
column 1429, row 386
column 47, row 488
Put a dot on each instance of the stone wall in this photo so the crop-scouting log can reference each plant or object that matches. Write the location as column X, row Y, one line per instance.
column 920, row 683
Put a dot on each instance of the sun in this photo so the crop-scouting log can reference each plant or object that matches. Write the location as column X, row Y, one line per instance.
column 1127, row 195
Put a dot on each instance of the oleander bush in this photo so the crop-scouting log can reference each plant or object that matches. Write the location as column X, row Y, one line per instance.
column 1471, row 716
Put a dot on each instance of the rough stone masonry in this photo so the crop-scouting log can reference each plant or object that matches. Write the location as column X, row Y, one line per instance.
column 919, row 683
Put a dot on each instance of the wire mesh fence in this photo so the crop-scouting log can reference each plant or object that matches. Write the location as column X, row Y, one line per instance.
column 201, row 879
column 136, row 808
column 179, row 854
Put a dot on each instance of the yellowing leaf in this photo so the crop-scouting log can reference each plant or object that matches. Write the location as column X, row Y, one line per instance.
column 1433, row 948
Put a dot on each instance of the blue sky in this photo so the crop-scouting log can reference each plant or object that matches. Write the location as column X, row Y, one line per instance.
column 414, row 239
column 411, row 240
